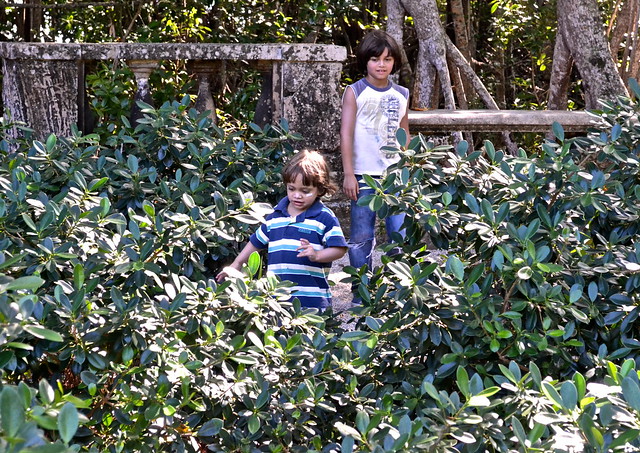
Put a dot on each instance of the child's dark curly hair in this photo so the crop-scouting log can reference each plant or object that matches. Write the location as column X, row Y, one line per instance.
column 313, row 168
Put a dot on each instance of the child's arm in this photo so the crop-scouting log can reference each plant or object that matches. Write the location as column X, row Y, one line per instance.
column 241, row 259
column 325, row 255
column 347, row 128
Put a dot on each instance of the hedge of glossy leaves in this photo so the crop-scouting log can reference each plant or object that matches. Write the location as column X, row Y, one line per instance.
column 116, row 337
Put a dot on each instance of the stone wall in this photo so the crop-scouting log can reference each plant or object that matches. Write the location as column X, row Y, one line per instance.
column 43, row 83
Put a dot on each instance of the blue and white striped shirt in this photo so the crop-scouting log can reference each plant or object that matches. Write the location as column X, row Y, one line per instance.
column 281, row 234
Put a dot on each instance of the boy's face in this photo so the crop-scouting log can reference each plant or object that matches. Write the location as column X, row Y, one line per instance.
column 380, row 67
column 301, row 197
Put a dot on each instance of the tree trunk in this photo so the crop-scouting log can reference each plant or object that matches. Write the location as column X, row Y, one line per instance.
column 467, row 72
column 395, row 22
column 580, row 27
column 461, row 32
column 432, row 54
column 560, row 77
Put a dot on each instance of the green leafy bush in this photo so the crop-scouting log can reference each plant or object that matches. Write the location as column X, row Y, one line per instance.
column 115, row 336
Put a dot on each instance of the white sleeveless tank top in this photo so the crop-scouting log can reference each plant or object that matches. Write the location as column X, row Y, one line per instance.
column 378, row 115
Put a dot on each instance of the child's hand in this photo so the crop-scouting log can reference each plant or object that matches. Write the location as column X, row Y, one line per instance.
column 222, row 276
column 306, row 249
column 228, row 272
column 350, row 187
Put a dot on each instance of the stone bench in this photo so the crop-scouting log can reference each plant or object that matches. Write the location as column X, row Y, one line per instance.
column 43, row 83
column 443, row 121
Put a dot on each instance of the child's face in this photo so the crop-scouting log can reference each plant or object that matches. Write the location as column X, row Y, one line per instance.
column 380, row 67
column 301, row 197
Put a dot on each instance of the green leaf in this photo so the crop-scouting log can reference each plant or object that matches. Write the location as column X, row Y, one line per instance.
column 253, row 424
column 78, row 276
column 355, row 335
column 623, row 438
column 45, row 334
column 98, row 183
column 97, row 361
column 581, row 384
column 591, row 432
column 362, row 422
column 558, row 131
column 11, row 411
column 631, row 393
column 373, row 323
column 575, row 293
column 551, row 393
column 518, row 430
column 489, row 391
column 31, row 283
column 51, row 142
column 211, row 428
column 47, row 394
column 348, row 443
column 569, row 395
column 462, row 147
column 479, row 401
column 525, row 273
column 68, row 421
column 401, row 136
column 462, row 379
column 347, row 430
column 246, row 359
column 405, row 425
column 254, row 263
column 455, row 266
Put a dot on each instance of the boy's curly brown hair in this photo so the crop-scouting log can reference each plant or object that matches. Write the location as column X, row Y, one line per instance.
column 313, row 168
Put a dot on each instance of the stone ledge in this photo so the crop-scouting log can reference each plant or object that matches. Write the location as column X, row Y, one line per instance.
column 442, row 120
column 173, row 51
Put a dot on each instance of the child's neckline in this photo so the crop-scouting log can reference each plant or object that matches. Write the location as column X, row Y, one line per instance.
column 376, row 87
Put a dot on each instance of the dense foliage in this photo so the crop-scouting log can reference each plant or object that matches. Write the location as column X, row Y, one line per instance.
column 116, row 337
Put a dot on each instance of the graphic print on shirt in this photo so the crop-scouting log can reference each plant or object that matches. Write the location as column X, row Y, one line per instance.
column 386, row 117
column 391, row 106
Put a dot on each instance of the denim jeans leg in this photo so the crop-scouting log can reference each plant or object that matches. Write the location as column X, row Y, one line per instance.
column 362, row 237
column 393, row 224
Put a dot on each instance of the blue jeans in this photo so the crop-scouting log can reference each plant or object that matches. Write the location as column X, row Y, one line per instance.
column 363, row 222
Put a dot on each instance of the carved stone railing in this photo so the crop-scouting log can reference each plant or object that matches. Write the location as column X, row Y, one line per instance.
column 43, row 83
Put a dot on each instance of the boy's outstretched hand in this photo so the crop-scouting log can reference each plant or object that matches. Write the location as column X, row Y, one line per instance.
column 228, row 271
column 306, row 249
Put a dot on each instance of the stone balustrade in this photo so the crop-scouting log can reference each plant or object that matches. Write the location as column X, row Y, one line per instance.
column 43, row 83
column 43, row 86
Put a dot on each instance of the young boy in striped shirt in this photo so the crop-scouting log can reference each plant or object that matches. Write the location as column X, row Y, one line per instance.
column 303, row 237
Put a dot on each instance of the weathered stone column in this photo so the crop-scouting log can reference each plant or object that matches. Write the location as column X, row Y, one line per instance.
column 40, row 87
column 308, row 85
column 207, row 74
column 141, row 69
column 264, row 106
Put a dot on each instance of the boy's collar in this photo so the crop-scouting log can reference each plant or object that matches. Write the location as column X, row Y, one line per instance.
column 313, row 210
